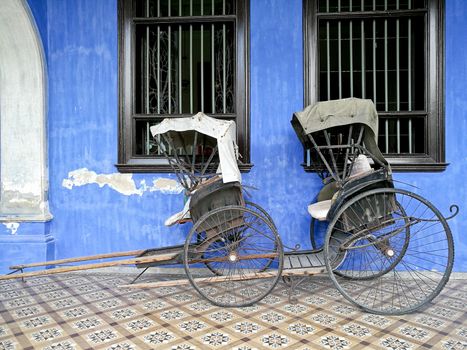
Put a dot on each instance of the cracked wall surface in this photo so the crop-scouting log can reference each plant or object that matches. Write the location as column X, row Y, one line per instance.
column 122, row 183
column 12, row 227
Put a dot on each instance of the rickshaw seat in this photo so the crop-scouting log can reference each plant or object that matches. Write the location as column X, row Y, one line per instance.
column 319, row 210
column 180, row 217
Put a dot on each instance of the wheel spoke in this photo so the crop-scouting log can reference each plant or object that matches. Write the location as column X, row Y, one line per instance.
column 238, row 256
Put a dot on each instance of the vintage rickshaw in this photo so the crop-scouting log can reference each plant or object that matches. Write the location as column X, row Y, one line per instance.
column 233, row 255
column 387, row 250
column 395, row 249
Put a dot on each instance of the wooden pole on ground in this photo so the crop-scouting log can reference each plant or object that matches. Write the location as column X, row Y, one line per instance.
column 135, row 261
column 79, row 259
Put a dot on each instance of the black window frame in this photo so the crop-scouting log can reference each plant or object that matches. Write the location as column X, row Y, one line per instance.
column 128, row 162
column 434, row 159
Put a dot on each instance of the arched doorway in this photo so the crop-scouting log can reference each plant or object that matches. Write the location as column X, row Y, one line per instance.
column 23, row 93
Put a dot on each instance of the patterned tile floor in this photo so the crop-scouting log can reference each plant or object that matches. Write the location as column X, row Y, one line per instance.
column 89, row 311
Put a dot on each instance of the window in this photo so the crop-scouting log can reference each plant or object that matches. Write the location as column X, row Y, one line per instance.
column 179, row 57
column 389, row 51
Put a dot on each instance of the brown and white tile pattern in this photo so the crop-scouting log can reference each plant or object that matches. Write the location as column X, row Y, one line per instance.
column 90, row 311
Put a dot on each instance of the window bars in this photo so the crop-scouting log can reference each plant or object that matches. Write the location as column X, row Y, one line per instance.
column 376, row 49
column 184, row 62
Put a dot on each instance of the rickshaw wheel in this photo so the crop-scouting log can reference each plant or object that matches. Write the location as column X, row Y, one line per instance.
column 394, row 260
column 256, row 208
column 249, row 260
column 398, row 251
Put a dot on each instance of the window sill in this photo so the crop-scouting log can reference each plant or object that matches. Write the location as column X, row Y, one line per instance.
column 419, row 164
column 416, row 164
column 161, row 168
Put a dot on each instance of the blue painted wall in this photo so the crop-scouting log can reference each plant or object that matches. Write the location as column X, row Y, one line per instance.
column 39, row 13
column 80, row 37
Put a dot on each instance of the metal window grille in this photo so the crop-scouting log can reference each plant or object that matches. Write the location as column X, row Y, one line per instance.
column 184, row 62
column 376, row 49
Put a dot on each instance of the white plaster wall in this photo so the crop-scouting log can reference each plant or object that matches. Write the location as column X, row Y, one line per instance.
column 24, row 178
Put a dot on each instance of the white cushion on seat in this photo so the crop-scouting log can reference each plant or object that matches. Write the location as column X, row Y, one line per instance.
column 319, row 210
column 177, row 217
column 361, row 166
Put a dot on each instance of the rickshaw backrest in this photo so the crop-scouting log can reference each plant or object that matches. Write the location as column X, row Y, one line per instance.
column 336, row 147
column 214, row 195
column 335, row 133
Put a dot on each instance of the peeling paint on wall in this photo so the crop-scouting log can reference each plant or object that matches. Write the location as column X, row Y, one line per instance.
column 12, row 226
column 122, row 183
column 21, row 185
column 166, row 186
